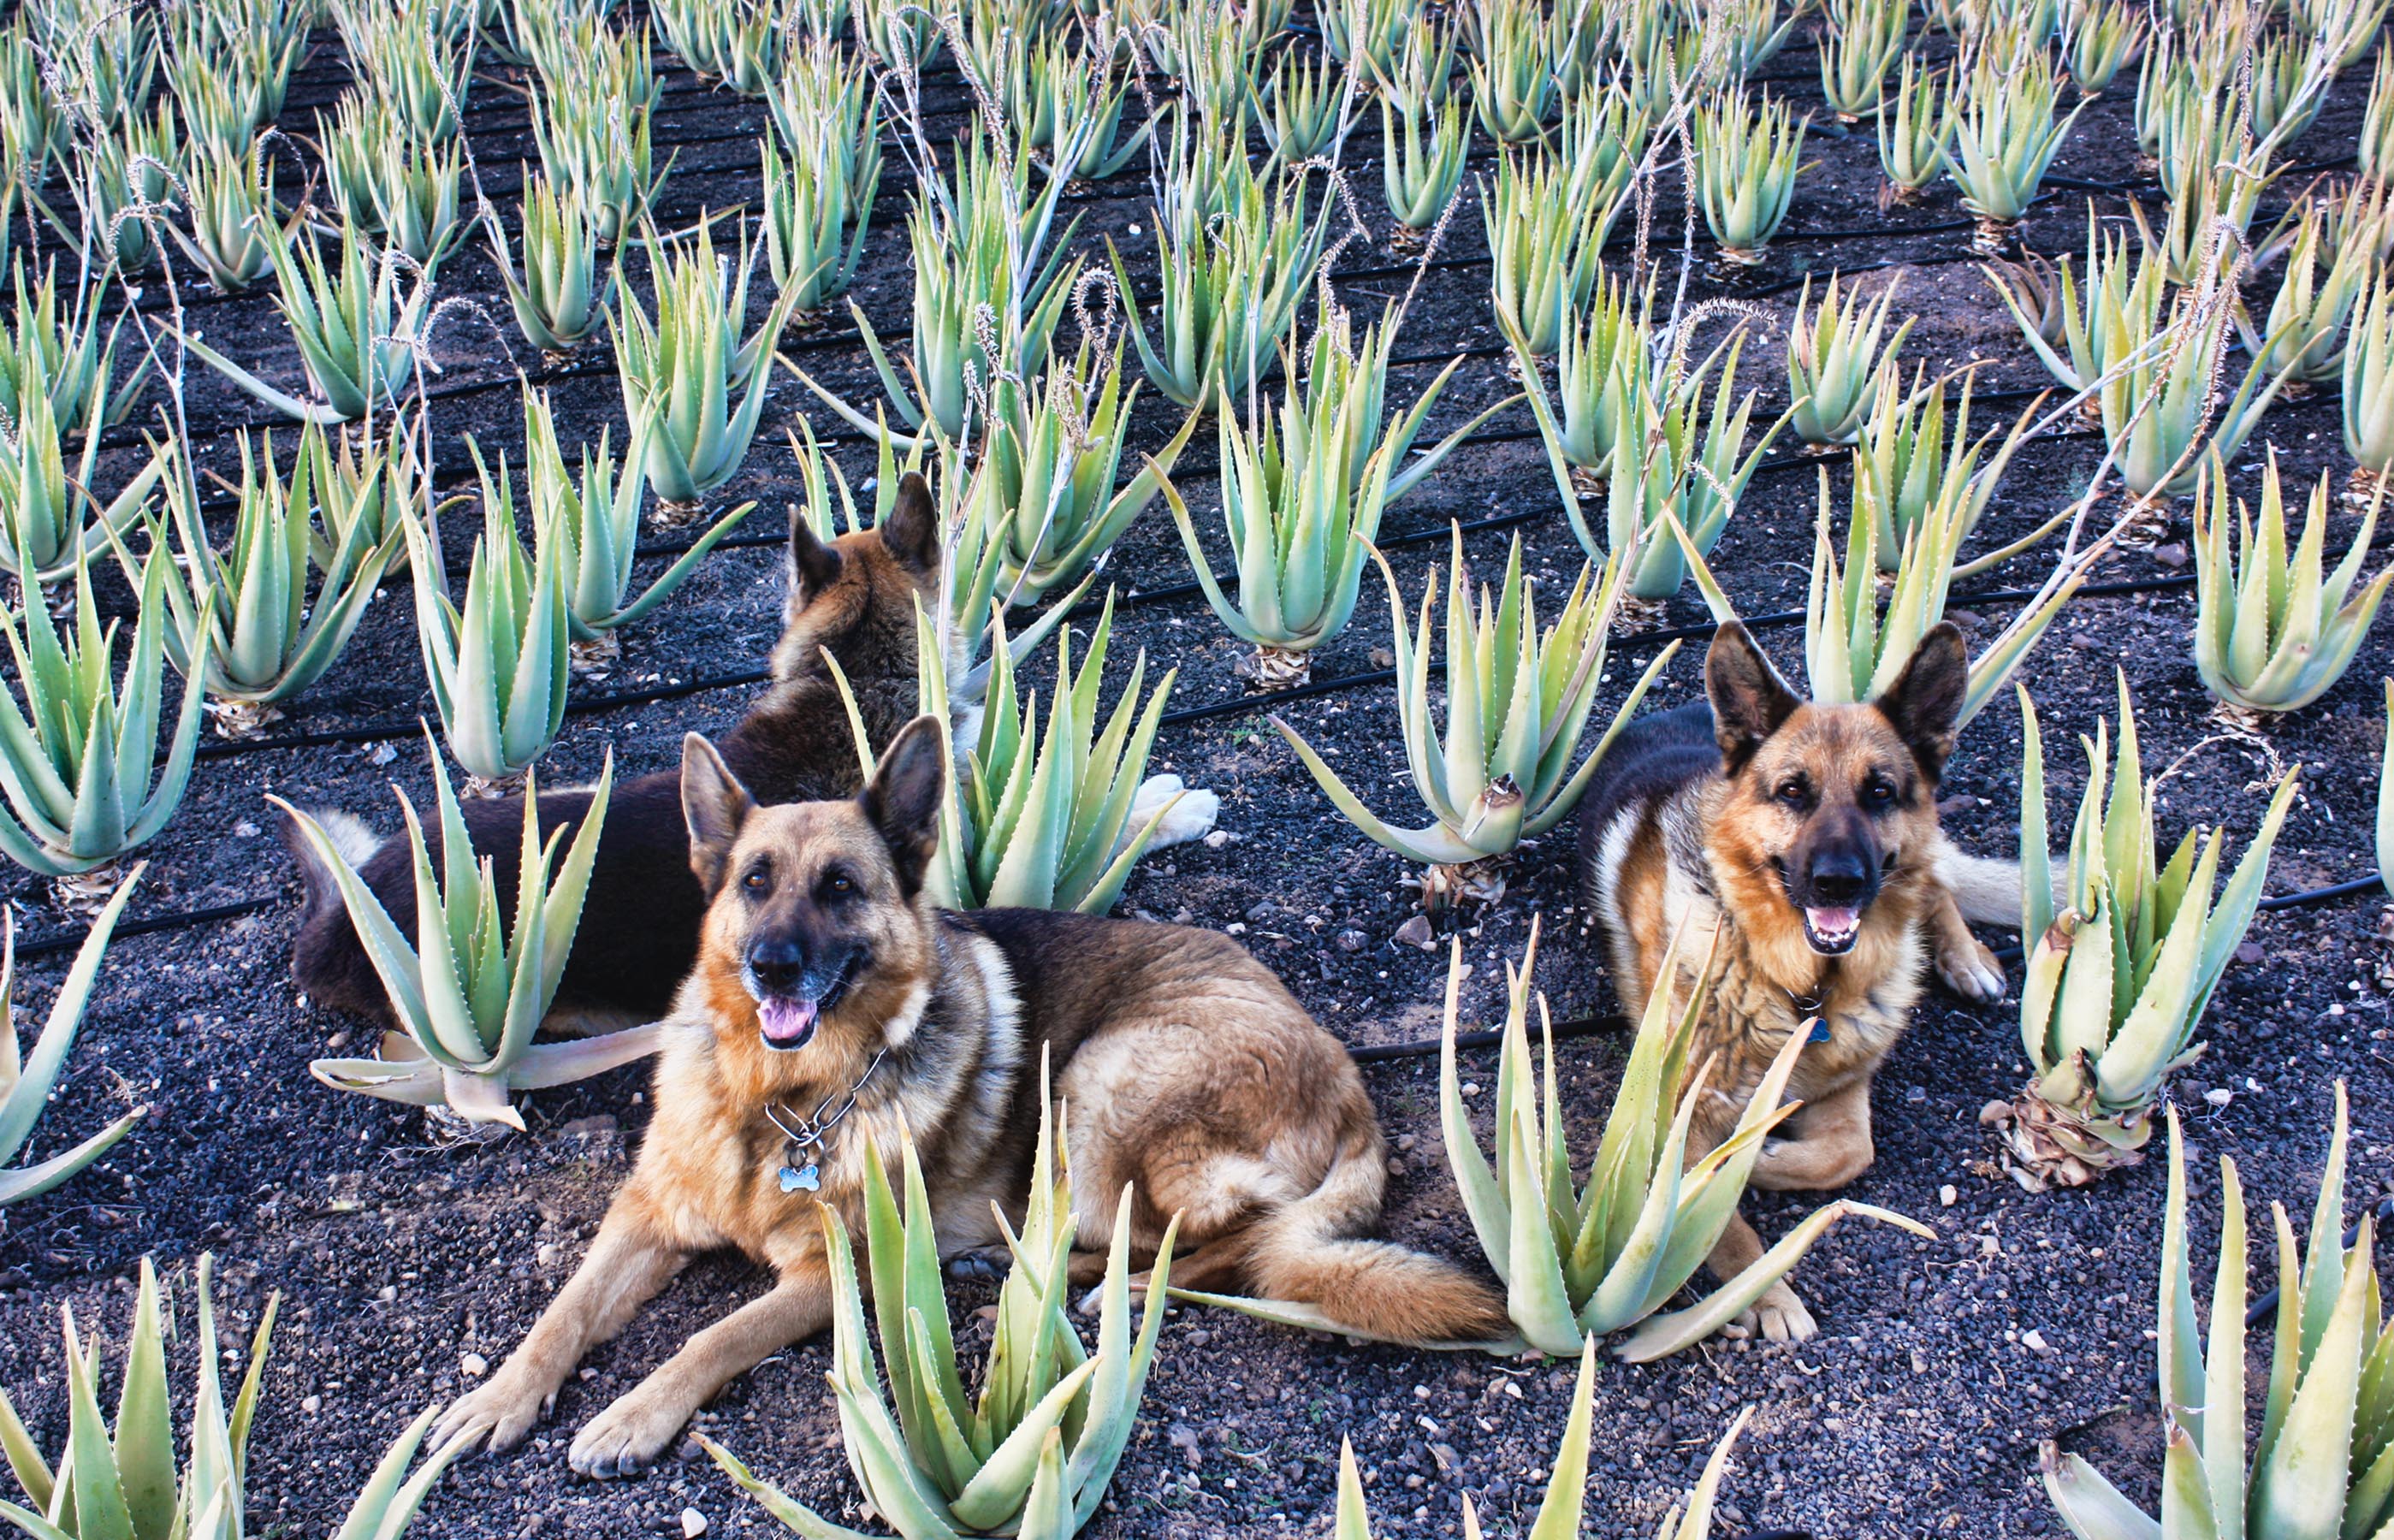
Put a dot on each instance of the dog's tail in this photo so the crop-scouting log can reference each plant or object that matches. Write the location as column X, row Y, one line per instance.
column 355, row 843
column 1987, row 891
column 1310, row 1251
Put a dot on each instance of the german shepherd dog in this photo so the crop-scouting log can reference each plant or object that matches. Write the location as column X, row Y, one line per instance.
column 853, row 597
column 825, row 977
column 1809, row 835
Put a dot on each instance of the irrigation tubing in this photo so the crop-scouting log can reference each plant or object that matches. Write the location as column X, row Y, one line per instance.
column 2267, row 1300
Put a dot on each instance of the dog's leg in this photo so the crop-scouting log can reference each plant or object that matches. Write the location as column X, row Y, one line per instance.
column 1832, row 1145
column 635, row 1430
column 629, row 1263
column 1963, row 961
column 1778, row 1314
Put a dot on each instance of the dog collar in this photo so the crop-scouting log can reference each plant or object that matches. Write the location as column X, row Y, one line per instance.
column 804, row 1138
column 1813, row 1006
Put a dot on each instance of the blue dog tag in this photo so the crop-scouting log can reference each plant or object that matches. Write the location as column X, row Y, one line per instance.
column 1820, row 1035
column 809, row 1177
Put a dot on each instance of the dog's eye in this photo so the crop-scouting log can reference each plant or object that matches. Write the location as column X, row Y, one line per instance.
column 837, row 885
column 1793, row 792
column 757, row 881
column 1879, row 794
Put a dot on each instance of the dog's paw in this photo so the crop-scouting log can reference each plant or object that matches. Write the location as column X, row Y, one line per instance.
column 496, row 1415
column 1778, row 1316
column 629, row 1434
column 986, row 1263
column 1971, row 970
column 1189, row 818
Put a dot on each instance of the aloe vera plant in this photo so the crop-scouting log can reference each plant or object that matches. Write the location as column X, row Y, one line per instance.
column 1544, row 248
column 358, row 337
column 1306, row 110
column 2102, row 37
column 2302, row 338
column 2158, row 392
column 122, row 1480
column 1582, row 1262
column 1915, row 127
column 1421, row 172
column 228, row 197
column 1031, row 1455
column 1904, row 470
column 68, row 357
column 592, row 123
column 1562, row 1507
column 2369, row 384
column 1834, row 358
column 1747, row 161
column 815, row 223
column 2271, row 633
column 1604, row 357
column 26, row 1082
column 50, row 524
column 2118, row 974
column 2319, row 1463
column 1512, row 65
column 1864, row 41
column 682, row 371
column 2005, row 138
column 80, row 761
column 1518, row 701
column 498, row 664
column 245, row 620
column 470, row 992
column 558, row 293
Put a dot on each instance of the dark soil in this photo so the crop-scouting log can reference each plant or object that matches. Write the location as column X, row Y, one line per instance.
column 1940, row 1364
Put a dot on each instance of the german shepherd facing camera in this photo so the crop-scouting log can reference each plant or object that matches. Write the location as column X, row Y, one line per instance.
column 853, row 597
column 833, row 1008
column 1808, row 835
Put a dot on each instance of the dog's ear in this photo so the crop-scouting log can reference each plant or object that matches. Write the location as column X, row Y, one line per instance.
column 911, row 533
column 1925, row 702
column 1749, row 698
column 904, row 800
column 814, row 563
column 714, row 804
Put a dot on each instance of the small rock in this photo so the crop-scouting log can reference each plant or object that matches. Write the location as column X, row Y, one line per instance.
column 1351, row 941
column 1382, row 658
column 2249, row 953
column 1220, row 838
column 1416, row 932
column 2172, row 556
column 595, row 1124
column 245, row 830
column 694, row 1524
column 1947, row 1196
column 1184, row 1437
column 474, row 1366
column 2033, row 1340
column 689, row 1451
column 311, row 1404
column 2219, row 1096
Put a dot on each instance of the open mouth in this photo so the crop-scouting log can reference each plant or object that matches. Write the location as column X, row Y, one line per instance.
column 1832, row 930
column 787, row 1023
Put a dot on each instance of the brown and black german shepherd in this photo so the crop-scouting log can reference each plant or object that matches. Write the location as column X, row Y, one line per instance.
column 823, row 970
column 854, row 596
column 1808, row 834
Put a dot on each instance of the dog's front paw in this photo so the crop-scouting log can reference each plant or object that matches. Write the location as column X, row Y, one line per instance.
column 988, row 1264
column 1778, row 1316
column 1971, row 970
column 630, row 1434
column 1190, row 817
column 496, row 1415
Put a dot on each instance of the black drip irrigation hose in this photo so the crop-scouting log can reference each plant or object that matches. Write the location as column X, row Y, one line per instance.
column 2268, row 1300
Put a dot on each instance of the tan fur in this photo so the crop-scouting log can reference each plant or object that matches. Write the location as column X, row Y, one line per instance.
column 1186, row 1071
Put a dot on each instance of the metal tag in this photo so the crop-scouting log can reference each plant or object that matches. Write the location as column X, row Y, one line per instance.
column 1820, row 1031
column 809, row 1177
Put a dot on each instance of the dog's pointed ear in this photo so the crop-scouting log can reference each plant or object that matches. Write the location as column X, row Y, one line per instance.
column 814, row 563
column 904, row 800
column 1749, row 698
column 1925, row 702
column 714, row 805
column 911, row 533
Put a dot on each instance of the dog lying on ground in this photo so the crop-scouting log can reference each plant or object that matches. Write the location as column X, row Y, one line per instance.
column 1808, row 834
column 825, row 979
column 854, row 598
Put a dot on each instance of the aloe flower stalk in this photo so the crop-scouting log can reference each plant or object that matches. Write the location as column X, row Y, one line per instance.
column 1517, row 700
column 470, row 992
column 1034, row 1454
column 1915, row 129
column 1041, row 818
column 683, row 370
column 122, row 1480
column 1544, row 247
column 26, row 1083
column 499, row 664
column 1833, row 359
column 1747, row 161
column 1048, row 473
column 559, row 296
column 2320, row 1464
column 1580, row 1263
column 245, row 621
column 2369, row 385
column 2119, row 977
column 1562, row 1507
column 2272, row 633
column 593, row 519
column 357, row 337
column 49, row 525
column 1864, row 41
column 2005, row 138
column 79, row 760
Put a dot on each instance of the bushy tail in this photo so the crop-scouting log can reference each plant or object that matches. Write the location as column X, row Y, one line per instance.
column 1987, row 891
column 356, row 843
column 1308, row 1252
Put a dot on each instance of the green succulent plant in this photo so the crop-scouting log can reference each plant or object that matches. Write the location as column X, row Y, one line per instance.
column 498, row 662
column 358, row 335
column 2272, row 632
column 1834, row 358
column 558, row 292
column 26, row 1082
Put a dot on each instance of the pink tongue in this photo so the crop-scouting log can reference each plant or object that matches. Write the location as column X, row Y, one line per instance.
column 1832, row 922
column 786, row 1021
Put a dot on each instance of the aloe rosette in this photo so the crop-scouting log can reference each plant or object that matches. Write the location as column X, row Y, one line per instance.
column 498, row 662
column 2273, row 631
column 26, row 1081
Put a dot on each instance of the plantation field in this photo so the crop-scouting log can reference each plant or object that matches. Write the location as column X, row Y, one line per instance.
column 410, row 1265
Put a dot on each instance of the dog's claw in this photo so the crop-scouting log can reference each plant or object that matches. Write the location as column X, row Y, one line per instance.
column 495, row 1416
column 1971, row 972
column 627, row 1437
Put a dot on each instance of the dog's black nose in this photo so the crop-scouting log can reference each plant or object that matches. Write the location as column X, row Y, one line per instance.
column 778, row 963
column 1839, row 876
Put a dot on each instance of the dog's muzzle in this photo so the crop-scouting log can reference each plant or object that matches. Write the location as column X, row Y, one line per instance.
column 792, row 991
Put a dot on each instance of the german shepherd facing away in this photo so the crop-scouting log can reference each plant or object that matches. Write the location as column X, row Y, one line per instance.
column 1808, row 835
column 854, row 596
column 825, row 978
